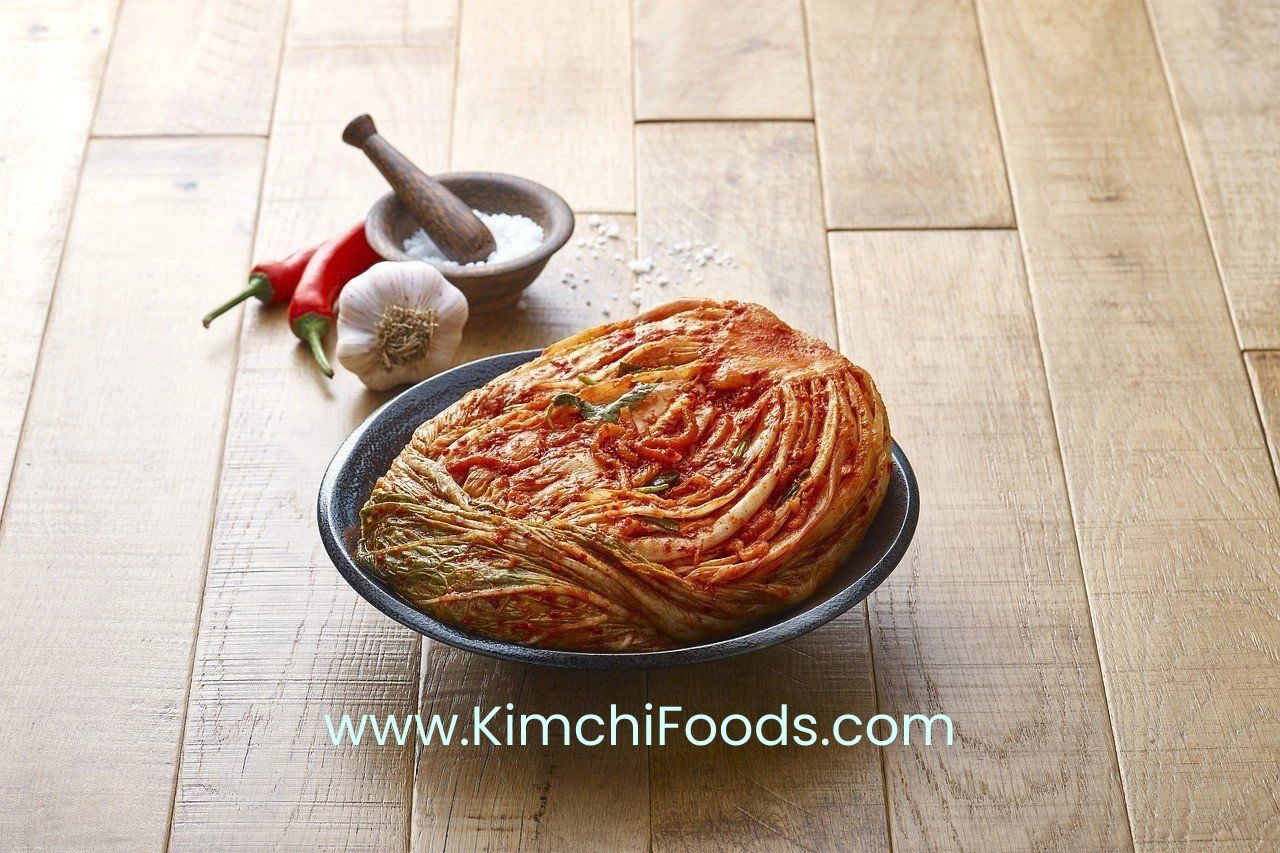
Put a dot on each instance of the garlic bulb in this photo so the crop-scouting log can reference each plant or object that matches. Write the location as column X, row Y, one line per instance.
column 399, row 322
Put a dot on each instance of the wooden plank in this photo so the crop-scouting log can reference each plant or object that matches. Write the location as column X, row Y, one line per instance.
column 509, row 798
column 374, row 23
column 752, row 189
column 721, row 59
column 990, row 602
column 904, row 116
column 544, row 91
column 258, row 769
column 1264, row 370
column 51, row 56
column 102, row 551
column 557, row 797
column 1223, row 62
column 1175, row 503
column 192, row 67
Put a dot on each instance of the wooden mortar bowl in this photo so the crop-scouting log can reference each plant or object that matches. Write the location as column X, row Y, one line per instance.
column 489, row 287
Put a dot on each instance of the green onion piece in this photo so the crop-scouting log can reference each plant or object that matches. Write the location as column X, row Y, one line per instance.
column 668, row 524
column 660, row 483
column 626, row 368
column 592, row 412
column 741, row 449
column 795, row 486
column 567, row 399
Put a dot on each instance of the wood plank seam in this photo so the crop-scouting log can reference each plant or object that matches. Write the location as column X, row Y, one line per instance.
column 876, row 702
column 886, row 230
column 1220, row 60
column 453, row 96
column 1075, row 530
column 57, row 270
column 813, row 107
column 1208, row 228
column 179, row 136
column 1191, row 167
column 725, row 120
column 1004, row 157
column 1204, row 216
column 1037, row 313
column 1271, row 439
column 411, row 778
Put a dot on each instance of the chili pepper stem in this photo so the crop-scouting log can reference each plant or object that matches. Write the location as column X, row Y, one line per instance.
column 259, row 286
column 312, row 328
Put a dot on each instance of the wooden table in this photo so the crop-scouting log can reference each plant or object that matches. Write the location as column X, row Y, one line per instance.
column 1048, row 229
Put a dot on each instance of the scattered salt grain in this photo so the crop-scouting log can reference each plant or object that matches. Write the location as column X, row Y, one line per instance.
column 640, row 265
column 514, row 235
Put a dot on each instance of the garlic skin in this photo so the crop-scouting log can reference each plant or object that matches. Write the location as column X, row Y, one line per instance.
column 401, row 321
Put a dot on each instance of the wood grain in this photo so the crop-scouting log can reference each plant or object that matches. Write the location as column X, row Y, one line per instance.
column 987, row 620
column 751, row 190
column 557, row 797
column 1223, row 61
column 51, row 57
column 373, row 23
column 192, row 67
column 721, row 59
column 711, row 182
column 102, row 551
column 1264, row 370
column 283, row 639
column 904, row 116
column 544, row 91
column 1174, row 501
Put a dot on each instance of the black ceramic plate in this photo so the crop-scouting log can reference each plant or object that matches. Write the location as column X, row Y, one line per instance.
column 368, row 452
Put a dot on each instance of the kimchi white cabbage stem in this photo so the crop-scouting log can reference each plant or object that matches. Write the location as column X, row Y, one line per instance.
column 744, row 464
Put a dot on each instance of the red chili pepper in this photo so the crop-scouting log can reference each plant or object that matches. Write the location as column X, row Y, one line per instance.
column 334, row 264
column 272, row 282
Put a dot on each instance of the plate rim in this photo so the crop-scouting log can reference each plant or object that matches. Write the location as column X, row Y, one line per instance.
column 389, row 604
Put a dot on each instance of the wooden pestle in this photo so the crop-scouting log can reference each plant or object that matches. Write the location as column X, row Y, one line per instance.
column 458, row 232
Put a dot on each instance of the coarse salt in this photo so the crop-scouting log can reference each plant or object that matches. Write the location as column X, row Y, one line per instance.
column 515, row 236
